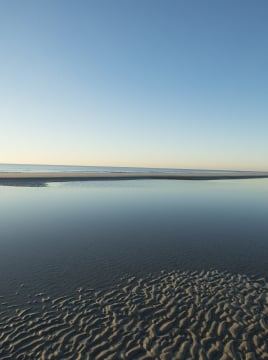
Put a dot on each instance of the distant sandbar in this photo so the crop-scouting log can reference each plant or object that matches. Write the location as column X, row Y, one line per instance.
column 41, row 178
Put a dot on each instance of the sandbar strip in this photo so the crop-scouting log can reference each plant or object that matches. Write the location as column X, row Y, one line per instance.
column 39, row 178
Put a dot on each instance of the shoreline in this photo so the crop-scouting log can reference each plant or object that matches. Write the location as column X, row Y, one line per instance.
column 41, row 178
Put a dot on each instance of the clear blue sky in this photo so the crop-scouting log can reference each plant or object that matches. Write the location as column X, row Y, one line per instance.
column 170, row 83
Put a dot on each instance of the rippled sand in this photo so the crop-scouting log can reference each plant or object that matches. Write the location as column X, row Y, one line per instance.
column 178, row 315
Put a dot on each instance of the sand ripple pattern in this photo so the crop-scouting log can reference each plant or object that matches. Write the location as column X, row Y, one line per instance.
column 177, row 315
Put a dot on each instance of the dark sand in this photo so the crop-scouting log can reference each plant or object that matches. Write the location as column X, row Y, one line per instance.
column 176, row 315
column 40, row 179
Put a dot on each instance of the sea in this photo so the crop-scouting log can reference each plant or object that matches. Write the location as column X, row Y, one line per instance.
column 28, row 168
column 91, row 234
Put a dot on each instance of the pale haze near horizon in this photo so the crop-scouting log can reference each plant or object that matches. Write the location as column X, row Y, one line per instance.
column 134, row 83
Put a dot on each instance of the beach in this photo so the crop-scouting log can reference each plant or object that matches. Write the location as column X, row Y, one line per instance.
column 176, row 315
column 133, row 180
column 137, row 269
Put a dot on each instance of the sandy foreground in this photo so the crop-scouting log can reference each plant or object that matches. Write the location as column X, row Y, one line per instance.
column 38, row 177
column 176, row 315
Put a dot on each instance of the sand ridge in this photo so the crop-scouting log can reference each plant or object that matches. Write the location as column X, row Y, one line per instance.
column 41, row 178
column 175, row 315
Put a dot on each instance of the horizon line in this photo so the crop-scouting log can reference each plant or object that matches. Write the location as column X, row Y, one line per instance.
column 142, row 167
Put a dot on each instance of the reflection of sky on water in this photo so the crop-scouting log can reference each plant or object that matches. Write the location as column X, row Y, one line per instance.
column 93, row 232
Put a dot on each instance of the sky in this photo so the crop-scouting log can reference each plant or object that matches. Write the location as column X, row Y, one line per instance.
column 156, row 83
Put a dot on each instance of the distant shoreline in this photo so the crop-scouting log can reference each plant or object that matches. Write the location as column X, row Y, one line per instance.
column 38, row 178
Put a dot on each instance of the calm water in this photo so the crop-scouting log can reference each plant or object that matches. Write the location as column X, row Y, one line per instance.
column 101, row 169
column 57, row 238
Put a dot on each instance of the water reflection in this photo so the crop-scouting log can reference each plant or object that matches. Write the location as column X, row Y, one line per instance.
column 66, row 235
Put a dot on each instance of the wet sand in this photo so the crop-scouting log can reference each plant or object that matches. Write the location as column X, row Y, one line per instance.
column 176, row 315
column 41, row 178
